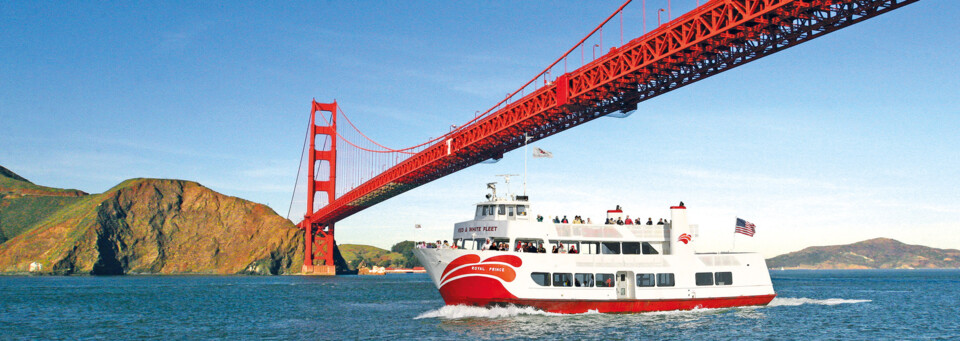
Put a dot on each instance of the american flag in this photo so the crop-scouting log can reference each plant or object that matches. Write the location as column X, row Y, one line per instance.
column 745, row 227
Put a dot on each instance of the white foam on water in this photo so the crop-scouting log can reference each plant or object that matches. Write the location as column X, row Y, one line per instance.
column 791, row 301
column 463, row 311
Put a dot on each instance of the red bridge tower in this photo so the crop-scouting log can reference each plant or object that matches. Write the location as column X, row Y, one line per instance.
column 322, row 230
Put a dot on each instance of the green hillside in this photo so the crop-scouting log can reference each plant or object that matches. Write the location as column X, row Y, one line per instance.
column 20, row 214
column 370, row 255
column 23, row 204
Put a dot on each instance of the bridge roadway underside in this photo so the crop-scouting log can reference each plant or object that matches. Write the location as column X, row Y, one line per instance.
column 716, row 37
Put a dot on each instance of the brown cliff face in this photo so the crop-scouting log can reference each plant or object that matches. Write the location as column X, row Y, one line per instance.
column 158, row 226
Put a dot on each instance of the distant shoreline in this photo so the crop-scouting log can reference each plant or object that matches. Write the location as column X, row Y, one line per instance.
column 847, row 269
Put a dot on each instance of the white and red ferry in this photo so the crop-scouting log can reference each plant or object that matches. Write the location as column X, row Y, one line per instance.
column 615, row 268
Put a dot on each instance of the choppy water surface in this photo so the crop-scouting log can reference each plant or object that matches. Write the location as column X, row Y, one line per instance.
column 853, row 304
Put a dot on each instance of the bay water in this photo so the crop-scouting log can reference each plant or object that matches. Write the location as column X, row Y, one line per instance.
column 821, row 304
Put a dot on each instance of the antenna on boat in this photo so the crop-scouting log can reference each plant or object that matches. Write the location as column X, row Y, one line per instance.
column 493, row 187
column 506, row 180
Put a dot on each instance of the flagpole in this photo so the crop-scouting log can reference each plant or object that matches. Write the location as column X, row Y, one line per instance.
column 734, row 234
column 525, row 140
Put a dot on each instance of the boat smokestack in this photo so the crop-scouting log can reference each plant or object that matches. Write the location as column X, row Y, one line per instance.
column 681, row 240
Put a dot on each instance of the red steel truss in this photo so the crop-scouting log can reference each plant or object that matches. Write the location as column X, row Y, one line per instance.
column 715, row 37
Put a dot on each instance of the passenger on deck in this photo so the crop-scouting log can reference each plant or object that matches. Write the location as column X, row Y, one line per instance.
column 588, row 221
column 619, row 221
column 562, row 249
column 660, row 222
column 638, row 221
column 565, row 220
column 609, row 221
column 539, row 218
column 446, row 245
column 554, row 249
column 573, row 249
column 541, row 249
column 649, row 221
column 628, row 221
column 532, row 248
column 556, row 220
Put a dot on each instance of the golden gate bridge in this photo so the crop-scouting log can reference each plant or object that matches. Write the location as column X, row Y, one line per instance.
column 356, row 172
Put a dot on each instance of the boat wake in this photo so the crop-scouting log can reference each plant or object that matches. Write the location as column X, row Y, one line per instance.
column 450, row 312
column 790, row 301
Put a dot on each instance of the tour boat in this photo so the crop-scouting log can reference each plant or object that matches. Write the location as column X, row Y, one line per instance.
column 616, row 268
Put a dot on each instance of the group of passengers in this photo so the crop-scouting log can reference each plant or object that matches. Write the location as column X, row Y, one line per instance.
column 628, row 221
column 609, row 221
column 493, row 246
column 438, row 245
column 557, row 220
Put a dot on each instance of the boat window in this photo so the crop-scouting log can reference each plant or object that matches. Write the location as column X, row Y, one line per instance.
column 479, row 212
column 467, row 244
column 605, row 280
column 562, row 280
column 571, row 245
column 487, row 209
column 583, row 280
column 631, row 248
column 724, row 278
column 502, row 210
column 704, row 278
column 610, row 248
column 649, row 249
column 645, row 280
column 522, row 210
column 665, row 280
column 510, row 210
column 589, row 248
column 541, row 278
column 520, row 241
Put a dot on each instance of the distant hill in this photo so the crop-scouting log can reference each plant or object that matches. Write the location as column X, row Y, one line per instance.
column 142, row 226
column 13, row 185
column 355, row 254
column 879, row 253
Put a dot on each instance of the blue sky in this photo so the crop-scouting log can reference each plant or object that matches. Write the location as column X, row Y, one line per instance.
column 847, row 137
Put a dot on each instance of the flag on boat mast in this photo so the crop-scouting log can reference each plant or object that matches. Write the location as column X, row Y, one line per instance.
column 745, row 227
column 539, row 152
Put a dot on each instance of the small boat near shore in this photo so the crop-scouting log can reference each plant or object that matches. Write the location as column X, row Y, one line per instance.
column 608, row 268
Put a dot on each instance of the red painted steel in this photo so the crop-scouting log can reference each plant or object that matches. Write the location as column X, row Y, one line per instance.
column 716, row 36
column 323, row 230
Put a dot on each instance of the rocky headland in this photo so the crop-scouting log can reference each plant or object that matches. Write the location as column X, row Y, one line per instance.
column 141, row 226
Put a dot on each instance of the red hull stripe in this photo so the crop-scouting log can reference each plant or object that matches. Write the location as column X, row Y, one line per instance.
column 618, row 306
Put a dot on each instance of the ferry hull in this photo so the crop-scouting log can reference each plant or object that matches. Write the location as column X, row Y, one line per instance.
column 620, row 306
column 499, row 279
